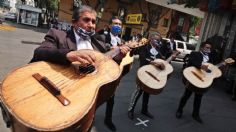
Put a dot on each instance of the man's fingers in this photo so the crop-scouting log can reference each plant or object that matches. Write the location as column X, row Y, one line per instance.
column 92, row 56
column 88, row 59
column 125, row 49
column 81, row 60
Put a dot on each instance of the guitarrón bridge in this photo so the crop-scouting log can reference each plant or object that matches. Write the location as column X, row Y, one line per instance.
column 150, row 74
column 198, row 76
column 52, row 88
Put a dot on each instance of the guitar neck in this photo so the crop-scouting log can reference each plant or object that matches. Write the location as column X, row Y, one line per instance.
column 112, row 53
column 169, row 59
column 220, row 64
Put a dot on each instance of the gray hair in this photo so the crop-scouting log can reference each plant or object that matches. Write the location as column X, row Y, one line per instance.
column 154, row 34
column 80, row 10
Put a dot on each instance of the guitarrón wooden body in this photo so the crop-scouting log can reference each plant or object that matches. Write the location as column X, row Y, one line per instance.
column 126, row 64
column 148, row 83
column 207, row 78
column 32, row 105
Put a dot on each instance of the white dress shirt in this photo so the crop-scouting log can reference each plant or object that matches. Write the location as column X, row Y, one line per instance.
column 81, row 43
column 115, row 40
column 171, row 45
column 205, row 58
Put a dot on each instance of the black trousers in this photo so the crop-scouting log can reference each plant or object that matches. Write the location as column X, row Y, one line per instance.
column 109, row 107
column 134, row 99
column 197, row 101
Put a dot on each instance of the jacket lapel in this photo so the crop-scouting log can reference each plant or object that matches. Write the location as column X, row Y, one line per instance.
column 98, row 45
column 70, row 38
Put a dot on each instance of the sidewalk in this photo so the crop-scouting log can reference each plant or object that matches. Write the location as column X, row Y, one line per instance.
column 27, row 27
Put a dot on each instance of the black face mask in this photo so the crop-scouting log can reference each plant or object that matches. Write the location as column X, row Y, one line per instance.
column 206, row 52
column 156, row 43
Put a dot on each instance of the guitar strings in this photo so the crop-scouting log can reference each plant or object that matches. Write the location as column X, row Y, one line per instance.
column 63, row 83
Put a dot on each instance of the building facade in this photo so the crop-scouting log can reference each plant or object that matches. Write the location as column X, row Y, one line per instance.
column 108, row 8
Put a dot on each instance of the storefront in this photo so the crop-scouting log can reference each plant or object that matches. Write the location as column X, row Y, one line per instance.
column 28, row 15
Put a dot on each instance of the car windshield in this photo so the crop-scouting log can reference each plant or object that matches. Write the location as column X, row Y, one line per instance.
column 190, row 46
column 10, row 14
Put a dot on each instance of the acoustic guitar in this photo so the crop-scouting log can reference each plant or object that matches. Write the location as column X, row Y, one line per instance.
column 43, row 96
column 151, row 78
column 203, row 79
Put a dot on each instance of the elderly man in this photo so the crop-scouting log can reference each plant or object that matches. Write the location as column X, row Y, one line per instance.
column 66, row 47
column 147, row 52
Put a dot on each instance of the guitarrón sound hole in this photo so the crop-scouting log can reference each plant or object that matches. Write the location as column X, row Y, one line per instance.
column 86, row 69
column 208, row 71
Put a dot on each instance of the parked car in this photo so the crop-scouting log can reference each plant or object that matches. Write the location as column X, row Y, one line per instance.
column 1, row 19
column 10, row 16
column 184, row 48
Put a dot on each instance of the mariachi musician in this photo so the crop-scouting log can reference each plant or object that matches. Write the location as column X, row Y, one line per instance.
column 147, row 52
column 65, row 48
column 196, row 59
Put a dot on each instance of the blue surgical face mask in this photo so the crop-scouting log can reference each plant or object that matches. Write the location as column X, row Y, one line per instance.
column 116, row 29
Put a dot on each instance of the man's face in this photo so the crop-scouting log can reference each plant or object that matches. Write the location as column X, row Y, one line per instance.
column 158, row 37
column 116, row 22
column 116, row 26
column 207, row 48
column 87, row 21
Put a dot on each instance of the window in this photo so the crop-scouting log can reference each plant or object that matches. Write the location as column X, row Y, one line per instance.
column 164, row 41
column 190, row 46
column 180, row 24
column 165, row 22
column 180, row 45
column 181, row 21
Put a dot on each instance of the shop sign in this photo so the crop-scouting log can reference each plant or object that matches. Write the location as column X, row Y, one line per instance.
column 133, row 18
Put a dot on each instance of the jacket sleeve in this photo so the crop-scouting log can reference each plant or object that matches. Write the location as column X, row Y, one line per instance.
column 50, row 51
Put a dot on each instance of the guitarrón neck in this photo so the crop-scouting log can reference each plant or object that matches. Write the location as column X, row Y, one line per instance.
column 112, row 53
column 169, row 59
column 220, row 64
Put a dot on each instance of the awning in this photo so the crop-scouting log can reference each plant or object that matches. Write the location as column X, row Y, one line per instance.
column 29, row 8
column 181, row 8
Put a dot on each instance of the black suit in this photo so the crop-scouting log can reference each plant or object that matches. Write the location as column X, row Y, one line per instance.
column 167, row 49
column 195, row 59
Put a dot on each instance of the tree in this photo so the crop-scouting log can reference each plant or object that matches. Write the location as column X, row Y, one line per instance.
column 154, row 12
column 2, row 3
column 23, row 2
column 51, row 7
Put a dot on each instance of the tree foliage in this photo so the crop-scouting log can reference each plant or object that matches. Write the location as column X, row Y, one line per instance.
column 50, row 5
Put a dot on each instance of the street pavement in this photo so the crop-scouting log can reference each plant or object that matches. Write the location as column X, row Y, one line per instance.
column 218, row 111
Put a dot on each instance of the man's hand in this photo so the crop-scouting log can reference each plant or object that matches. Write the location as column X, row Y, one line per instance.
column 173, row 56
column 158, row 65
column 124, row 49
column 204, row 67
column 82, row 56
